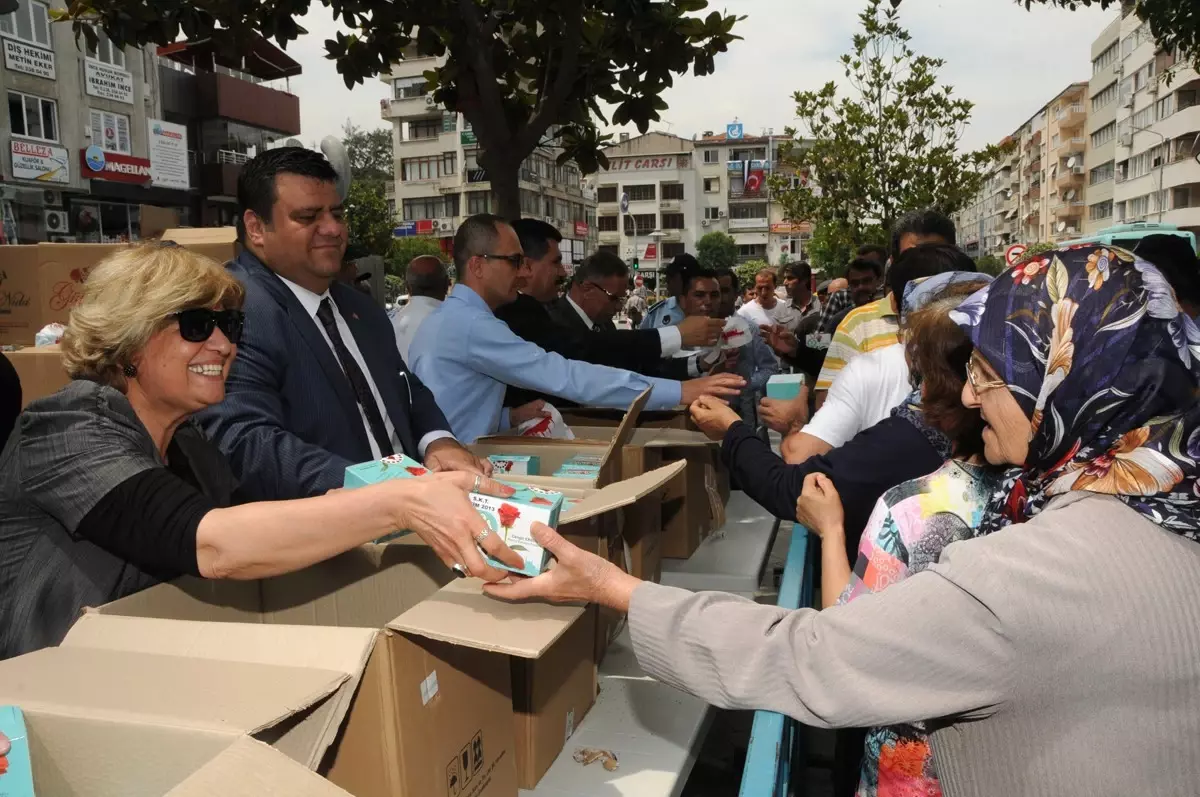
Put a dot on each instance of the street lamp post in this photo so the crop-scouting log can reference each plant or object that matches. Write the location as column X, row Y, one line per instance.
column 1162, row 168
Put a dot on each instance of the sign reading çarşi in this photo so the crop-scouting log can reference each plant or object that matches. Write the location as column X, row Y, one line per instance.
column 108, row 82
column 41, row 162
column 168, row 155
column 28, row 58
column 101, row 165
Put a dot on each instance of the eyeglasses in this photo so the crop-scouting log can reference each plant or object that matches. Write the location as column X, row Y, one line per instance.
column 612, row 297
column 978, row 384
column 197, row 325
column 513, row 260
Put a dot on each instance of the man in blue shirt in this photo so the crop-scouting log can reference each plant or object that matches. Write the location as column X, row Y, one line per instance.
column 468, row 357
column 668, row 312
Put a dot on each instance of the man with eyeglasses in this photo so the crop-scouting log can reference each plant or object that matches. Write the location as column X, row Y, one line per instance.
column 468, row 356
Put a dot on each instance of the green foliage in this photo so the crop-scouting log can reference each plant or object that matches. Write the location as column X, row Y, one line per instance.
column 833, row 246
column 406, row 250
column 370, row 153
column 747, row 271
column 717, row 250
column 523, row 72
column 888, row 146
column 369, row 221
column 1039, row 247
column 991, row 264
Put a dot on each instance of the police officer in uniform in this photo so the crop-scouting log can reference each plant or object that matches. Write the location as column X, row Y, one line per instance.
column 668, row 312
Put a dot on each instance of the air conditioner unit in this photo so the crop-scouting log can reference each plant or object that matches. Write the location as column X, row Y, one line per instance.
column 430, row 101
column 704, row 222
column 445, row 225
column 1126, row 140
column 56, row 221
column 1154, row 89
column 720, row 214
column 1127, row 102
column 52, row 199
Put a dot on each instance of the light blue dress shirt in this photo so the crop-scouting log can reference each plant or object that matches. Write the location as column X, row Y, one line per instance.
column 468, row 357
column 663, row 314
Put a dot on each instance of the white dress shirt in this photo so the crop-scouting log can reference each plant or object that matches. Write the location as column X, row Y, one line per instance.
column 311, row 303
column 408, row 318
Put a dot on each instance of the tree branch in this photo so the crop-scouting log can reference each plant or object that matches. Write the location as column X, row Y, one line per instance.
column 479, row 41
column 568, row 67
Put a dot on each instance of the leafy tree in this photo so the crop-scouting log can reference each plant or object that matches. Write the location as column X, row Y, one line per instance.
column 522, row 72
column 888, row 146
column 1039, row 247
column 832, row 246
column 991, row 264
column 369, row 221
column 370, row 153
column 717, row 250
column 405, row 250
column 747, row 271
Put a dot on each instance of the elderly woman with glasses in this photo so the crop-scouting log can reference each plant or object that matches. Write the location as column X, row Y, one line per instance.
column 108, row 487
column 1057, row 653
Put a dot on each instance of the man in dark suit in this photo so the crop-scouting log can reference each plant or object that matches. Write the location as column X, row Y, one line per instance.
column 536, row 317
column 318, row 383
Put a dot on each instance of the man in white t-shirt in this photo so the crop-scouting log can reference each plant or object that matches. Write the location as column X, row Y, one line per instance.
column 767, row 310
column 864, row 393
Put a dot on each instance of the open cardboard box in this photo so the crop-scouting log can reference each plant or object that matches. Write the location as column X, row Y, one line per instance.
column 219, row 243
column 438, row 684
column 41, row 283
column 143, row 708
column 40, row 369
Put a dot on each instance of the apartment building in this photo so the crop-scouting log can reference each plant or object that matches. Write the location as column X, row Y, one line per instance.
column 439, row 181
column 1156, row 161
column 1104, row 100
column 1066, row 183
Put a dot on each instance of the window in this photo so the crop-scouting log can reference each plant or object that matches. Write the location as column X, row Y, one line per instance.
column 431, row 207
column 1139, row 207
column 1164, row 108
column 1122, row 171
column 449, row 122
column 479, row 202
column 1104, row 135
column 672, row 250
column 29, row 23
column 1183, row 197
column 409, row 88
column 529, row 202
column 712, row 214
column 1106, row 96
column 32, row 117
column 424, row 128
column 641, row 193
column 430, row 167
column 672, row 191
column 107, row 53
column 640, row 224
column 1102, row 174
column 672, row 221
column 1101, row 211
column 748, row 251
column 1107, row 58
column 110, row 131
column 606, row 193
column 712, row 156
column 606, row 223
column 1055, row 141
column 755, row 210
column 712, row 185
column 549, row 207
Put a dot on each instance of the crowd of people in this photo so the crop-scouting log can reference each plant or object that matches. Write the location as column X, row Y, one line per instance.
column 1002, row 472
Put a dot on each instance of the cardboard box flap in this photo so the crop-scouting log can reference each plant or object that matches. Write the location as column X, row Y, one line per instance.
column 185, row 236
column 223, row 696
column 461, row 614
column 623, row 493
column 628, row 425
column 305, row 737
column 252, row 769
column 649, row 437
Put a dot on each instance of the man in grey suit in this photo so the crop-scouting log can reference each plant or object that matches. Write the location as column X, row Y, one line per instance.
column 318, row 383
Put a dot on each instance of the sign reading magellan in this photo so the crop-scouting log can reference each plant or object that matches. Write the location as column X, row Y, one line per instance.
column 101, row 165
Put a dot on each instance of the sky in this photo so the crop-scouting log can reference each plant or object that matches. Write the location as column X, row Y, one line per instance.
column 1006, row 60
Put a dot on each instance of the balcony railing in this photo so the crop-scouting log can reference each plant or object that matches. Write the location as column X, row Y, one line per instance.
column 229, row 156
column 761, row 193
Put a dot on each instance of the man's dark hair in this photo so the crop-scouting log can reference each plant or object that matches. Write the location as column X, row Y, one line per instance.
column 476, row 236
column 690, row 275
column 801, row 271
column 728, row 272
column 923, row 223
column 865, row 264
column 1175, row 258
column 926, row 260
column 872, row 251
column 681, row 263
column 536, row 236
column 256, row 183
column 601, row 265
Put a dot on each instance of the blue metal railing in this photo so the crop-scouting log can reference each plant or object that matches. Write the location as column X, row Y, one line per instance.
column 775, row 751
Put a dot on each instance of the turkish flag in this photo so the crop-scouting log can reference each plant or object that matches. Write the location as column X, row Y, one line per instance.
column 754, row 181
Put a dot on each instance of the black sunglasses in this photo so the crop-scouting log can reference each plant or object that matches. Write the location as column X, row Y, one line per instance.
column 513, row 260
column 197, row 325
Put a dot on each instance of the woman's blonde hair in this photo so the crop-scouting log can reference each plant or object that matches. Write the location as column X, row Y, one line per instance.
column 132, row 294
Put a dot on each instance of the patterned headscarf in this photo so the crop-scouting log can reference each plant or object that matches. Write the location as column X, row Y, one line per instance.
column 1095, row 349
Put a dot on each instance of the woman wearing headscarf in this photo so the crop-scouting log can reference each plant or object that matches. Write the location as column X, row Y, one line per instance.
column 1060, row 653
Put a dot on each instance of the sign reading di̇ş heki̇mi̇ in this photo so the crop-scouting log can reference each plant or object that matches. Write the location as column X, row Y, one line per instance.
column 40, row 162
column 101, row 165
column 22, row 57
column 108, row 82
column 168, row 155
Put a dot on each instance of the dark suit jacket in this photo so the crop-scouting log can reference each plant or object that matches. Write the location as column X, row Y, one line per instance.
column 638, row 350
column 289, row 423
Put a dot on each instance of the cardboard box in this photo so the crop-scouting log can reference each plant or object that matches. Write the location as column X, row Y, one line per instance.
column 594, row 417
column 131, row 707
column 514, row 465
column 219, row 243
column 785, row 387
column 40, row 370
column 155, row 221
column 41, row 283
column 438, row 682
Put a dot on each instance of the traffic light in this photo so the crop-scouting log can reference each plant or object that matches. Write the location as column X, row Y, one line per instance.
column 635, row 264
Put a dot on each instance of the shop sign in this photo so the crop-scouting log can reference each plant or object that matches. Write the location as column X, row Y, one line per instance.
column 168, row 155
column 101, row 165
column 28, row 58
column 790, row 227
column 407, row 229
column 636, row 164
column 108, row 82
column 40, row 162
column 581, row 229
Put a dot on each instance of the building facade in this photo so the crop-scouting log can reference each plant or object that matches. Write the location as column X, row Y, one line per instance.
column 439, row 181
